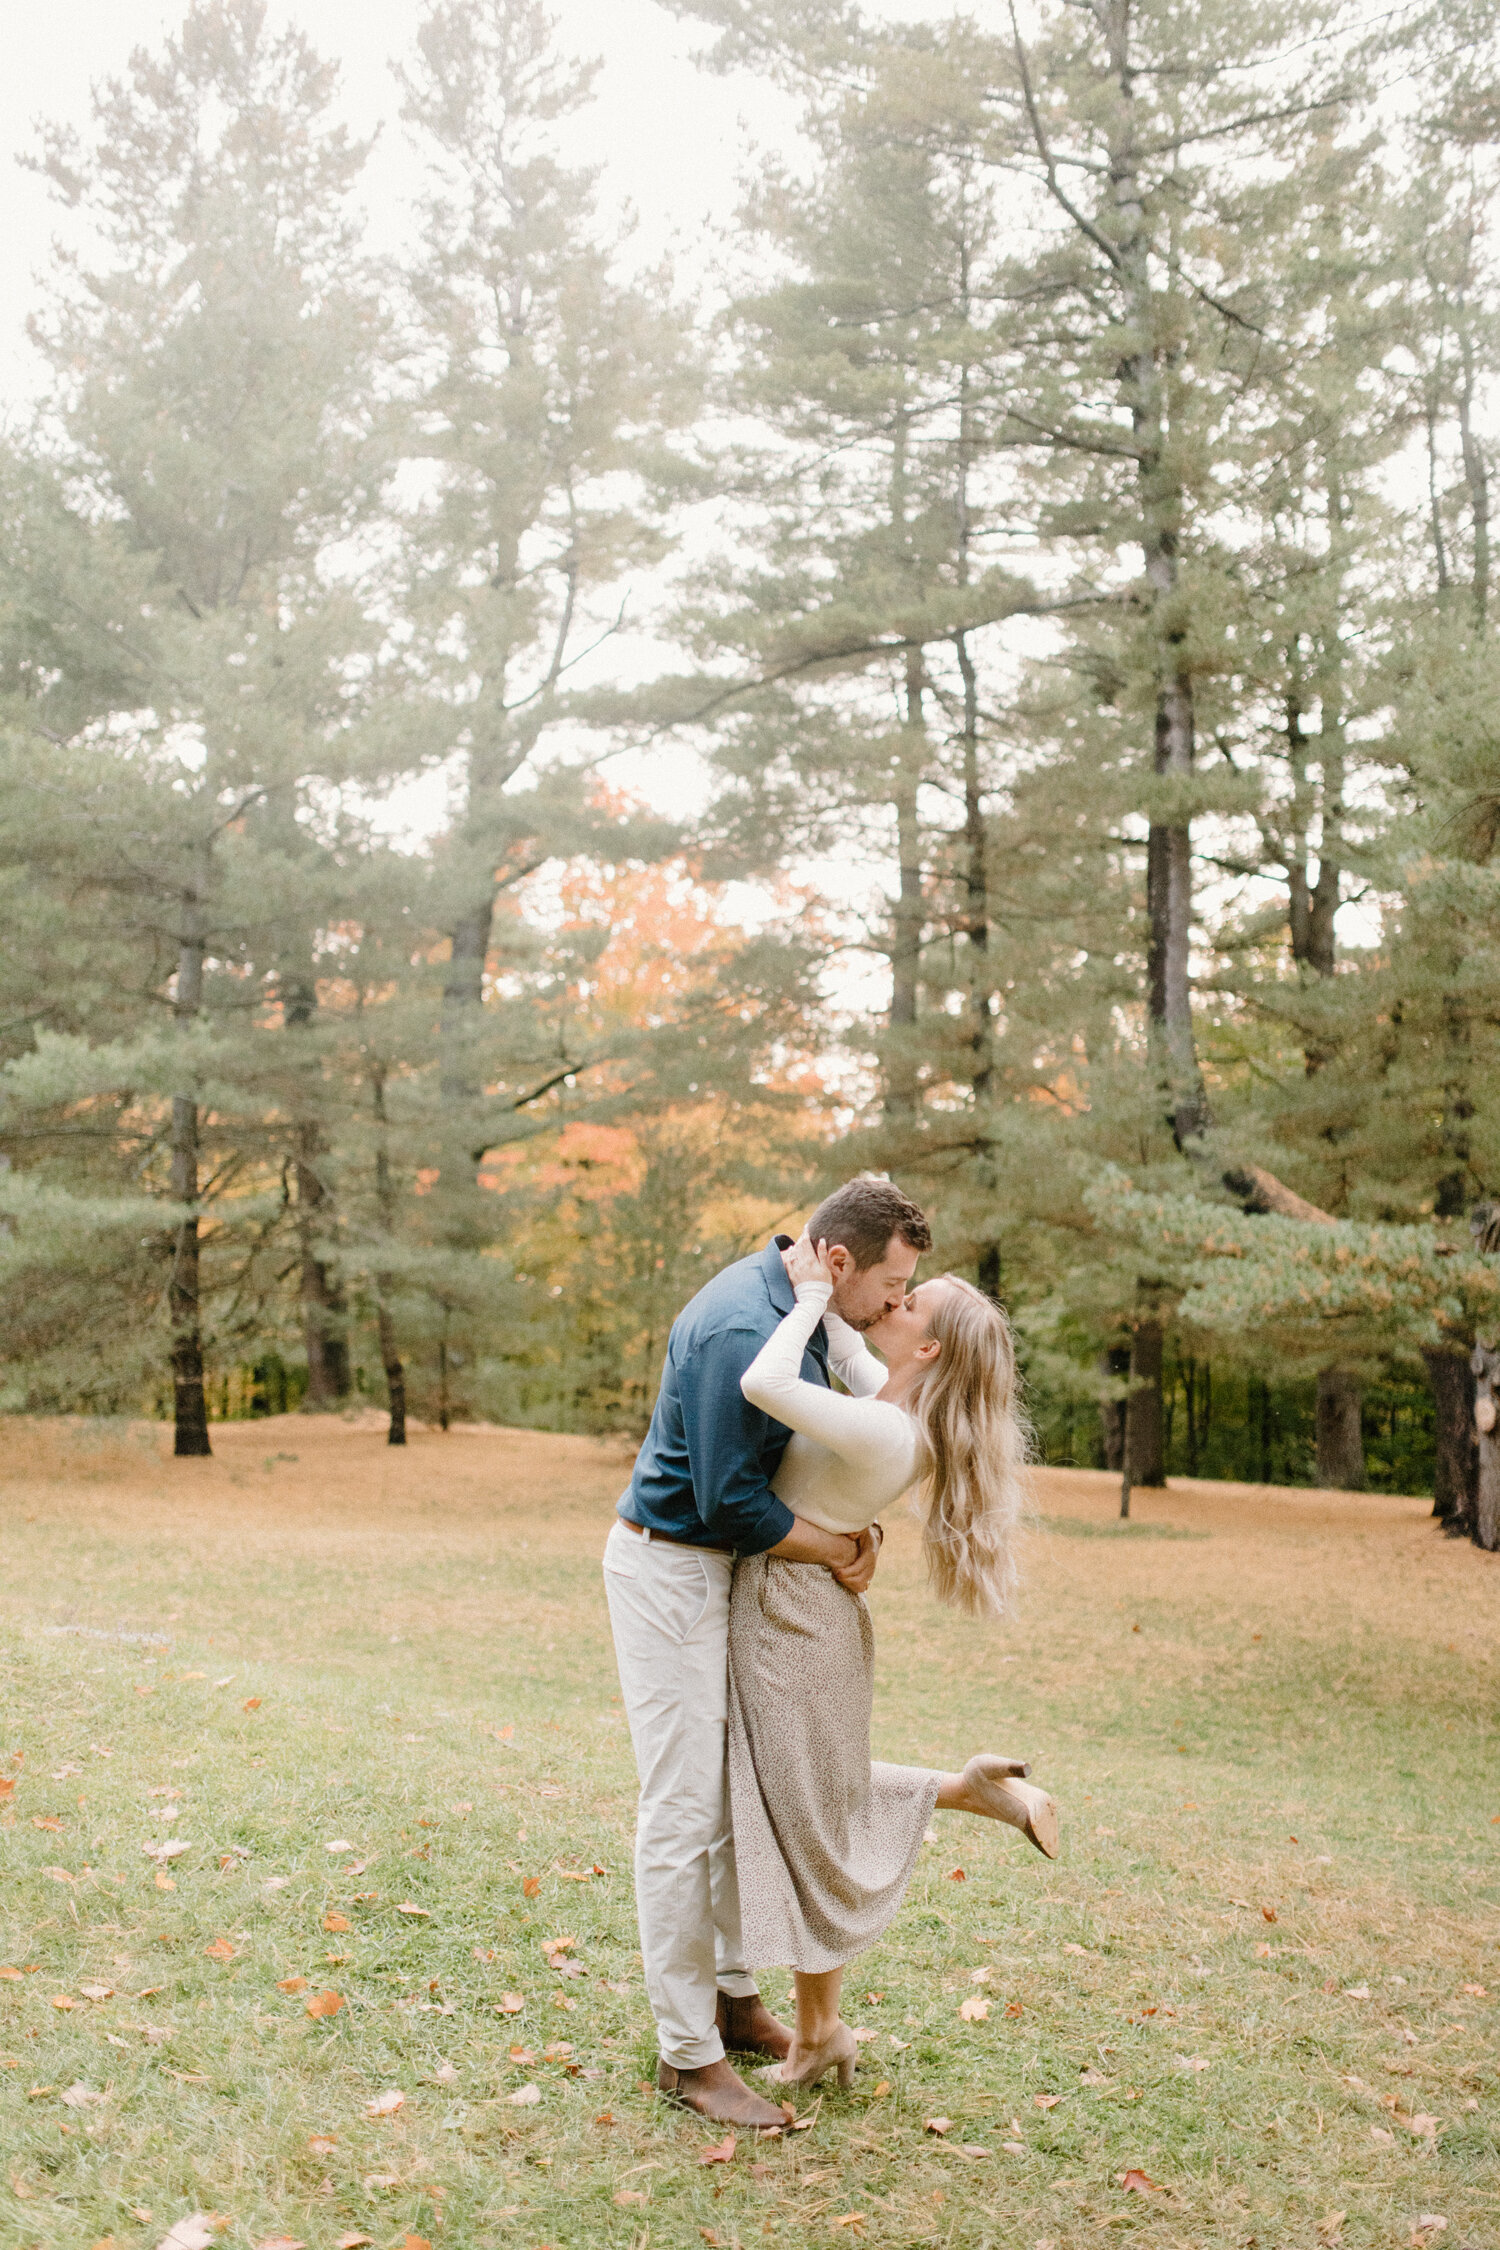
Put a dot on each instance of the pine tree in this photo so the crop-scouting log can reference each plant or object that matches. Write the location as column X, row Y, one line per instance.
column 214, row 373
column 547, row 387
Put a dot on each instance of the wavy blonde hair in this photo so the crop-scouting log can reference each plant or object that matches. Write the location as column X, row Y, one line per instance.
column 973, row 1491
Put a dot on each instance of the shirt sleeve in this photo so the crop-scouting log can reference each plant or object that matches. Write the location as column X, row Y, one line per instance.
column 851, row 1358
column 725, row 1436
column 867, row 1433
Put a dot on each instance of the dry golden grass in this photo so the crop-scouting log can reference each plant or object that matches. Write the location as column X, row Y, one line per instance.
column 1250, row 1703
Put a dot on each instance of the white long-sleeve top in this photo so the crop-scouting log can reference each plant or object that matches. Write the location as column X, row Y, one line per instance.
column 847, row 1458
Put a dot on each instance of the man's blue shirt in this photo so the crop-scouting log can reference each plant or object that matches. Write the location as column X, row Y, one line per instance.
column 705, row 1470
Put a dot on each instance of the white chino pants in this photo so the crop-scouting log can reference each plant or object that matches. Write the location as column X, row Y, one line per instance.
column 669, row 1612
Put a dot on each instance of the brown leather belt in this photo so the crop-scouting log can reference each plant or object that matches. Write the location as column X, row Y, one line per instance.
column 709, row 1546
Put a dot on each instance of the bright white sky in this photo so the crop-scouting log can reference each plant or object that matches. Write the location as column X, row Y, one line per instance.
column 674, row 142
column 673, row 139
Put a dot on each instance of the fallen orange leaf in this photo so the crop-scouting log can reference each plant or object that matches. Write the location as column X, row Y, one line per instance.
column 220, row 1950
column 531, row 1886
column 292, row 1984
column 974, row 2011
column 337, row 1922
column 1137, row 2183
column 721, row 2152
column 353, row 2242
column 322, row 2144
column 883, row 2088
column 1269, row 1912
column 386, row 2104
column 938, row 2125
column 324, row 2004
column 511, row 2003
column 251, row 1703
column 957, row 1875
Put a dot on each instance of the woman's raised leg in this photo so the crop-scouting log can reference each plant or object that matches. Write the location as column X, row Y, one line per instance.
column 993, row 1787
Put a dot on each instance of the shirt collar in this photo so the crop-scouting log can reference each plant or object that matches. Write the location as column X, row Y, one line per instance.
column 782, row 1294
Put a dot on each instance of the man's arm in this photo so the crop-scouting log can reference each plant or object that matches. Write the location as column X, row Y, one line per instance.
column 836, row 1550
column 724, row 1434
column 856, row 1577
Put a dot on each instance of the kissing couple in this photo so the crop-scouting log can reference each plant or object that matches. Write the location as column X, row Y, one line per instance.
column 736, row 1571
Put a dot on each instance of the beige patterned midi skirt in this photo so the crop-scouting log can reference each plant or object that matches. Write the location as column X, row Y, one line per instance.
column 824, row 1840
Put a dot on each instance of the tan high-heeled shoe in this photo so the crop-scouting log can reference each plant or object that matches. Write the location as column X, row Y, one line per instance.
column 841, row 2052
column 997, row 1790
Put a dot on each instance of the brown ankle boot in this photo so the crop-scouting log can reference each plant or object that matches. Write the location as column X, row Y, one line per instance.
column 747, row 2026
column 720, row 2094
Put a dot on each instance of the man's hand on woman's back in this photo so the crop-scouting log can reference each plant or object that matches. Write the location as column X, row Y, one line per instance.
column 856, row 1576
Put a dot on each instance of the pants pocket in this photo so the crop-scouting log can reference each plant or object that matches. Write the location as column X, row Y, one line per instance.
column 620, row 1557
column 681, row 1596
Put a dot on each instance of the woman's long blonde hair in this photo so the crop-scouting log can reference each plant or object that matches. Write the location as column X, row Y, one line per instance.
column 973, row 1490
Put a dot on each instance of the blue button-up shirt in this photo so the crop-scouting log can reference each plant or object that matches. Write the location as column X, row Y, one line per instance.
column 705, row 1470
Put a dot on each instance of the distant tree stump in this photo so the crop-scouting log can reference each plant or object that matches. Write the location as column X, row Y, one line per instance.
column 1486, row 1365
column 1341, row 1444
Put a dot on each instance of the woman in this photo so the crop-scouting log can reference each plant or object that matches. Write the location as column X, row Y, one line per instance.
column 825, row 1841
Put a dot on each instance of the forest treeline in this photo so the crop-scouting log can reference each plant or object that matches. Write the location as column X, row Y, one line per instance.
column 1070, row 512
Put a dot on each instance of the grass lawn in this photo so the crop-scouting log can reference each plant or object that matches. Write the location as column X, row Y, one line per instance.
column 317, row 1718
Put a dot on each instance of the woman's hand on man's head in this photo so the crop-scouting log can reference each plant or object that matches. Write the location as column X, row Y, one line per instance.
column 806, row 1262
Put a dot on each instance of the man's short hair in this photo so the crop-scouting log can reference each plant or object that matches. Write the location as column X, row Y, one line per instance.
column 862, row 1216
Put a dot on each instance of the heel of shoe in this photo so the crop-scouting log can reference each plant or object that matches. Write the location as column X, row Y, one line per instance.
column 1041, row 1821
column 848, row 2065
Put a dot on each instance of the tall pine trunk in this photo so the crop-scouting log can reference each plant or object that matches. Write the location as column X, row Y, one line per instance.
column 1171, row 1040
column 1169, row 876
column 325, row 1338
column 908, row 916
column 463, row 1134
column 1114, row 1365
column 324, row 1314
column 1144, row 1420
column 189, row 1406
column 385, row 1203
column 976, row 914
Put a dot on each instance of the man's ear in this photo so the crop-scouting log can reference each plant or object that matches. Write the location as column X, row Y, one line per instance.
column 840, row 1262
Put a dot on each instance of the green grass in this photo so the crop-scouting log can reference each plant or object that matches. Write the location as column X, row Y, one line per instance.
column 1292, row 1717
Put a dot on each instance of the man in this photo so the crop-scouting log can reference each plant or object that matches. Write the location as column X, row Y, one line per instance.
column 700, row 1495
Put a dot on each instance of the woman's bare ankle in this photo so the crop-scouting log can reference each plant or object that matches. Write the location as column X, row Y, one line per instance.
column 809, row 2036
